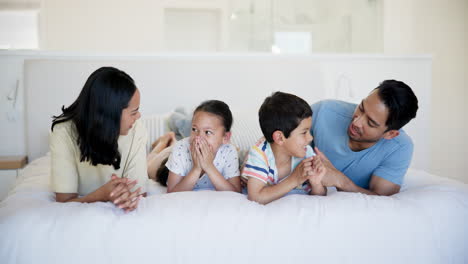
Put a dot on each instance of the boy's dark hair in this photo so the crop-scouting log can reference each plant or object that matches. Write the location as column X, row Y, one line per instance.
column 283, row 112
column 218, row 108
column 162, row 173
column 96, row 114
column 401, row 102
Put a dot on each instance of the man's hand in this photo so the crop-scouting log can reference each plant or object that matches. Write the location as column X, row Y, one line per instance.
column 316, row 175
column 317, row 172
column 334, row 178
column 332, row 175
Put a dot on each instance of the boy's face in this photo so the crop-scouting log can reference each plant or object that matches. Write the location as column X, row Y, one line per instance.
column 298, row 140
column 210, row 127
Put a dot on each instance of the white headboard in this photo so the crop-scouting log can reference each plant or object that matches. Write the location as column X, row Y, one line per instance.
column 242, row 81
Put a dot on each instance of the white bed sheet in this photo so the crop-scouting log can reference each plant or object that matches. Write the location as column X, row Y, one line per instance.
column 425, row 223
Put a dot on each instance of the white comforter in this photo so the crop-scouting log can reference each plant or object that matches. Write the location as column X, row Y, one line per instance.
column 426, row 223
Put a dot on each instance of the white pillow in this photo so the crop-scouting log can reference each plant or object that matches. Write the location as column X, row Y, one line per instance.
column 245, row 132
column 156, row 125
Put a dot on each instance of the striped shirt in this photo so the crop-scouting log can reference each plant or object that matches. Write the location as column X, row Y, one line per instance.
column 261, row 165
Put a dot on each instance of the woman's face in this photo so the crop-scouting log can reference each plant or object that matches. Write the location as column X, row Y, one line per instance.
column 130, row 114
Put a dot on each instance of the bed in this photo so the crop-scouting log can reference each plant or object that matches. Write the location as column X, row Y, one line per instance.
column 425, row 223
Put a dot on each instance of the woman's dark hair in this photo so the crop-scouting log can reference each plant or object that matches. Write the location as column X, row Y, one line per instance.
column 218, row 108
column 401, row 102
column 96, row 114
column 283, row 112
column 162, row 173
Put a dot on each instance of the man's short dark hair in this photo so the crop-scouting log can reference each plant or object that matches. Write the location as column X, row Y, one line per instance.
column 401, row 102
column 283, row 112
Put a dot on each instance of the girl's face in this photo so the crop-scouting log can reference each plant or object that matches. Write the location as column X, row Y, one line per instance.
column 209, row 126
column 130, row 114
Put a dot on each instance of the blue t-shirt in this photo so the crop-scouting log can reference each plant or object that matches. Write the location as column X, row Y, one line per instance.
column 388, row 158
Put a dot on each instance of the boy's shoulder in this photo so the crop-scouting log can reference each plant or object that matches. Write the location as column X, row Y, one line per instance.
column 261, row 145
column 261, row 151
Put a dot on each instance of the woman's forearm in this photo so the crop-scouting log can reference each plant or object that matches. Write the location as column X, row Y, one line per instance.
column 95, row 196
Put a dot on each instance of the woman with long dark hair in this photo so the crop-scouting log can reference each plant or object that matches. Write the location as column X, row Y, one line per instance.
column 97, row 146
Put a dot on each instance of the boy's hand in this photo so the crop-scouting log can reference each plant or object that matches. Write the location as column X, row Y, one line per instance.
column 302, row 171
column 317, row 171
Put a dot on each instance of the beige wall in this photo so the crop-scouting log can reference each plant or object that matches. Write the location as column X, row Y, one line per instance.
column 114, row 25
column 439, row 28
column 139, row 25
column 97, row 27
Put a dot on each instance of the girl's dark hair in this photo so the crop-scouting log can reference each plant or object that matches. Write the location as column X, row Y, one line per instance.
column 96, row 114
column 218, row 108
column 162, row 173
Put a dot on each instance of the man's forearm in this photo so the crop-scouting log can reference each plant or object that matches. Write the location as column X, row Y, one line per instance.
column 318, row 189
column 345, row 184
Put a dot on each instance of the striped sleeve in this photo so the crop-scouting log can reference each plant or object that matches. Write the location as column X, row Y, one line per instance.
column 256, row 165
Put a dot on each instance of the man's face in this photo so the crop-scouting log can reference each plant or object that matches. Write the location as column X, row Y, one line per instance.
column 369, row 118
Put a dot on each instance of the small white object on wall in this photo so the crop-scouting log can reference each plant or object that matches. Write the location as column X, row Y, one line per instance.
column 293, row 42
column 13, row 113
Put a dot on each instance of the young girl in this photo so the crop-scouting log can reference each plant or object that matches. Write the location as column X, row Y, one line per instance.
column 205, row 160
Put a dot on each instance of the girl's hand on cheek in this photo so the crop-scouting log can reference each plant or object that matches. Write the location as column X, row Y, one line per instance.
column 194, row 150
column 206, row 154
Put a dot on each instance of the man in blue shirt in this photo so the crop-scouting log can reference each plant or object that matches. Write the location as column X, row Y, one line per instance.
column 363, row 146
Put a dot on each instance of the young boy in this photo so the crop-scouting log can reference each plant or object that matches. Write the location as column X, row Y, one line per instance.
column 283, row 162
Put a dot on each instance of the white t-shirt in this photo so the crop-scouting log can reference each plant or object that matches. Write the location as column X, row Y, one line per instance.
column 70, row 175
column 226, row 162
